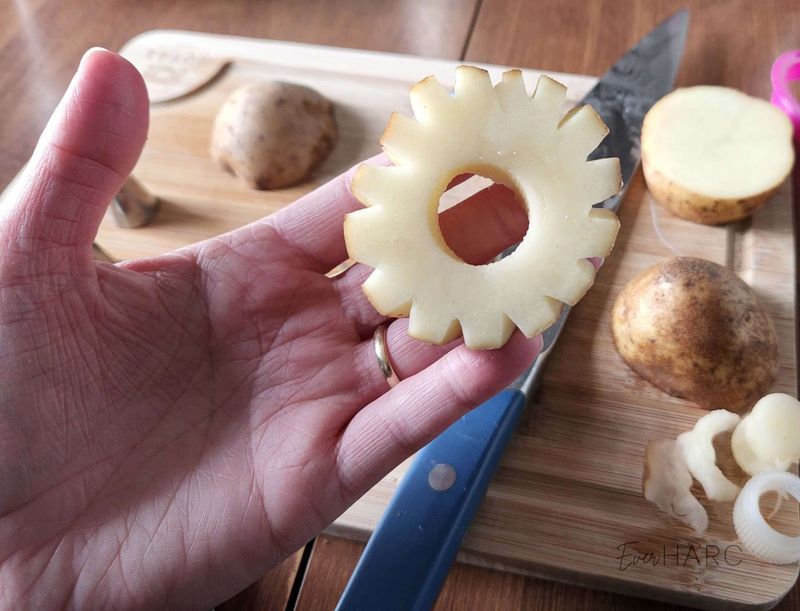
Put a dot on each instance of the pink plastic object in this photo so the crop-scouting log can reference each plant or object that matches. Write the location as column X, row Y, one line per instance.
column 786, row 68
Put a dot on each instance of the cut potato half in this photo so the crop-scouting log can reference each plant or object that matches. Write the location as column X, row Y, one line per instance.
column 713, row 154
column 696, row 330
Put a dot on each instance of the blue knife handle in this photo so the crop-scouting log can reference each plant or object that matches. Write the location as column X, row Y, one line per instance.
column 415, row 543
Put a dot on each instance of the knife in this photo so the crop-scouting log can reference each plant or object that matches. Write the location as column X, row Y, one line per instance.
column 416, row 541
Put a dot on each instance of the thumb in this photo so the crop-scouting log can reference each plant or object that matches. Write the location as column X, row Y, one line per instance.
column 87, row 150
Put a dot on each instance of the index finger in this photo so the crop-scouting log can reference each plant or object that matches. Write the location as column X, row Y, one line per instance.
column 313, row 224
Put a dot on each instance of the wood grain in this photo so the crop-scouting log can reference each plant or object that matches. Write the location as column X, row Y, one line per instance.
column 269, row 593
column 730, row 42
column 467, row 587
column 568, row 493
column 41, row 41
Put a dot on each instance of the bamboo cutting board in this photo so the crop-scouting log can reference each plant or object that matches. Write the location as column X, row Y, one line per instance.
column 566, row 502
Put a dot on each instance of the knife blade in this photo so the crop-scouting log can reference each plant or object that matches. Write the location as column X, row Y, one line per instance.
column 416, row 541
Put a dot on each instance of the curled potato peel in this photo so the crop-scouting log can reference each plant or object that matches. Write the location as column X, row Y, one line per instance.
column 765, row 442
column 698, row 451
column 668, row 482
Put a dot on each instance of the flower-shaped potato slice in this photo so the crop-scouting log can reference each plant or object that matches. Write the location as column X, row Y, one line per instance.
column 517, row 140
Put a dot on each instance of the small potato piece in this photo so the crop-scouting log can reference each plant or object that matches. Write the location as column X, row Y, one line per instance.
column 696, row 330
column 768, row 438
column 273, row 134
column 713, row 154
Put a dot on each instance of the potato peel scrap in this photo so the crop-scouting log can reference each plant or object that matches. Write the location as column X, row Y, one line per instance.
column 667, row 483
column 765, row 441
column 698, row 452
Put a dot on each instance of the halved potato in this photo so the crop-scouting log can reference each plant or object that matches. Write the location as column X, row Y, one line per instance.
column 713, row 154
column 696, row 330
column 273, row 134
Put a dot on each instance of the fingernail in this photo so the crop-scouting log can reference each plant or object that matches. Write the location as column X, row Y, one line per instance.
column 92, row 51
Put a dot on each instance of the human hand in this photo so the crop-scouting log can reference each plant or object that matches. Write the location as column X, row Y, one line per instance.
column 172, row 427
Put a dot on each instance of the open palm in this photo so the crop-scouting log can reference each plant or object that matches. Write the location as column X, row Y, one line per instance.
column 172, row 427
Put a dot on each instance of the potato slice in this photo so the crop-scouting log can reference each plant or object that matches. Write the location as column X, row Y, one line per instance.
column 518, row 140
column 713, row 154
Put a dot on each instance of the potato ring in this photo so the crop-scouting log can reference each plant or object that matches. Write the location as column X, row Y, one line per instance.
column 501, row 133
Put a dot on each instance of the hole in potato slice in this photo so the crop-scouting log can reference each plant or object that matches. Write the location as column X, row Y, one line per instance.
column 495, row 213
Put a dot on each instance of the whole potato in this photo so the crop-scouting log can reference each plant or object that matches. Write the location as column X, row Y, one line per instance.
column 272, row 134
column 696, row 330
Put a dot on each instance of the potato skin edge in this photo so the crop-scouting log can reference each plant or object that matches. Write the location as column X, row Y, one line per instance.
column 699, row 208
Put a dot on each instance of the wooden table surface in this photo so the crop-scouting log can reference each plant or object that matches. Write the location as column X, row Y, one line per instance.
column 731, row 42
